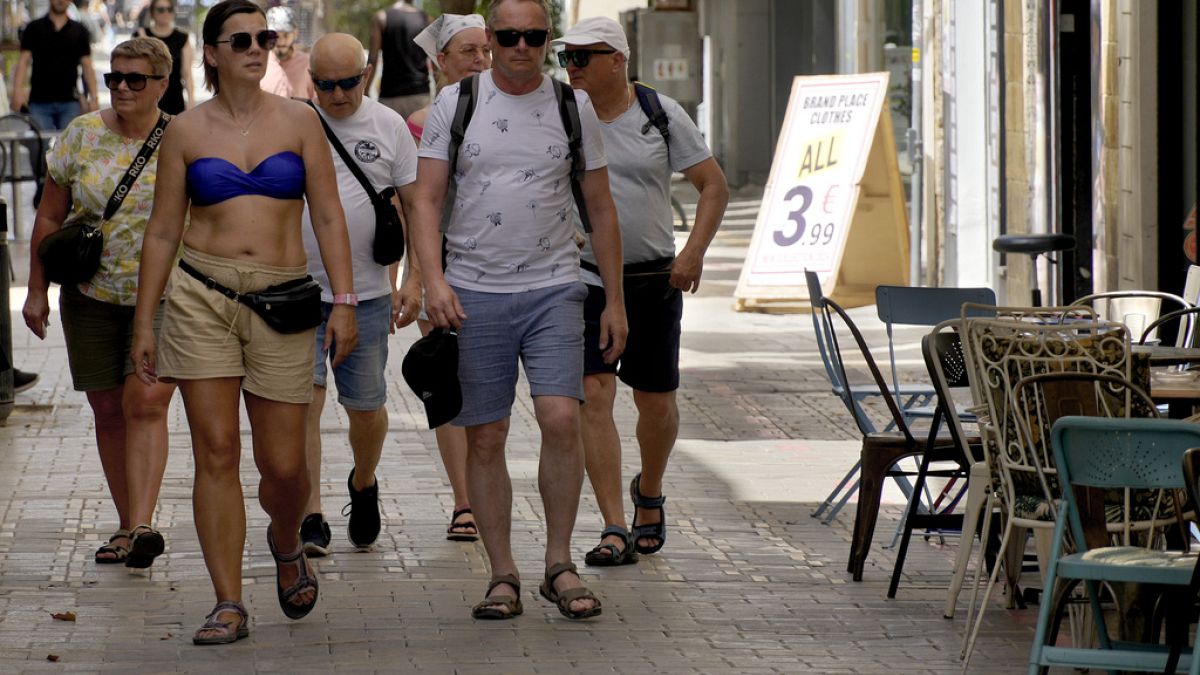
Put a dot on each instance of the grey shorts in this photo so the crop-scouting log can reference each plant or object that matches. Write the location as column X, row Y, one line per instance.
column 543, row 329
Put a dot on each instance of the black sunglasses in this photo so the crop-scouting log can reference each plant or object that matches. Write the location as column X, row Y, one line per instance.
column 509, row 37
column 580, row 57
column 240, row 42
column 346, row 83
column 163, row 9
column 135, row 81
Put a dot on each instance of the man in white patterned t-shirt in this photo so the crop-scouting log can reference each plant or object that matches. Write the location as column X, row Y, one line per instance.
column 512, row 289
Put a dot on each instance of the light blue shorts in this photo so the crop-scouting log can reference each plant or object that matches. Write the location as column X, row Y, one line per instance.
column 360, row 380
column 541, row 328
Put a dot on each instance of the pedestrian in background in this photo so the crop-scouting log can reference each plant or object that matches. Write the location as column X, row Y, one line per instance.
column 162, row 27
column 287, row 65
column 511, row 287
column 374, row 138
column 641, row 161
column 89, row 159
column 243, row 236
column 404, row 84
column 458, row 44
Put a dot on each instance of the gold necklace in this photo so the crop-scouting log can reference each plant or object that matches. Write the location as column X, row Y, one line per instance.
column 245, row 129
column 628, row 102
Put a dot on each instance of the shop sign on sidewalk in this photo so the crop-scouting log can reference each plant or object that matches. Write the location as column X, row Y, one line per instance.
column 833, row 203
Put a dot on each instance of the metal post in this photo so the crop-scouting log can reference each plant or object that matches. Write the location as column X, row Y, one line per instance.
column 6, row 364
column 915, row 152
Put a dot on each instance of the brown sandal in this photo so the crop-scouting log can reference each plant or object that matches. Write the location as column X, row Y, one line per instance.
column 459, row 535
column 119, row 553
column 488, row 609
column 563, row 600
column 226, row 632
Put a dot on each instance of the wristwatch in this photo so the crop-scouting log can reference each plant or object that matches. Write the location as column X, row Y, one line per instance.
column 346, row 299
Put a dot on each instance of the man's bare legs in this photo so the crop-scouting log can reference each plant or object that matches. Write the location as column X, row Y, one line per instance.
column 560, row 479
column 657, row 429
column 368, row 430
column 312, row 449
column 602, row 450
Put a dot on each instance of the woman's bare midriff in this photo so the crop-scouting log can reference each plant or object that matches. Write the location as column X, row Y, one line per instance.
column 250, row 227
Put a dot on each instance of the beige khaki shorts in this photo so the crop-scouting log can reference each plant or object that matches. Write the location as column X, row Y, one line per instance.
column 206, row 335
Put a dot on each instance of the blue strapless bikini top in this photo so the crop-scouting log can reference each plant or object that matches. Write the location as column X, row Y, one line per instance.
column 211, row 180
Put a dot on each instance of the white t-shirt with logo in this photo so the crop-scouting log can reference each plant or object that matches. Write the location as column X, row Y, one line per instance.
column 378, row 139
column 512, row 225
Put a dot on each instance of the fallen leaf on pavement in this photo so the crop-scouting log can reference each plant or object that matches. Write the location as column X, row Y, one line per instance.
column 53, row 658
column 63, row 616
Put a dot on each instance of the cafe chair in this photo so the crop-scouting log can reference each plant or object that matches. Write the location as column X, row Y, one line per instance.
column 946, row 362
column 881, row 450
column 920, row 306
column 23, row 160
column 1186, row 333
column 1074, row 365
column 907, row 396
column 1097, row 454
column 1140, row 310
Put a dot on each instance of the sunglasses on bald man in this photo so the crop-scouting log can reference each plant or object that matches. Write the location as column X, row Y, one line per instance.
column 240, row 42
column 346, row 83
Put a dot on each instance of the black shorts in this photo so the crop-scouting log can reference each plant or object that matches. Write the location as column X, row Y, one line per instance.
column 651, row 359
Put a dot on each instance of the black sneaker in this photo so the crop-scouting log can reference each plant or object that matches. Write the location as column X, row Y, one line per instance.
column 23, row 381
column 363, row 510
column 314, row 532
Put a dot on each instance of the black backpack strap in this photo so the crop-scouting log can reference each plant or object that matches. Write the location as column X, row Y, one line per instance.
column 346, row 158
column 468, row 94
column 568, row 109
column 647, row 97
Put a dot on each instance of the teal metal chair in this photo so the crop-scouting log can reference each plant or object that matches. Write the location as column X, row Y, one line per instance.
column 1113, row 453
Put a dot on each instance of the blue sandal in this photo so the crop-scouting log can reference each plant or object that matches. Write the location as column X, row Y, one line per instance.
column 652, row 531
column 304, row 582
column 609, row 555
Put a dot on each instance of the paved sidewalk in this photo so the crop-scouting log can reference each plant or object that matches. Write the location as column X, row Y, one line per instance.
column 747, row 583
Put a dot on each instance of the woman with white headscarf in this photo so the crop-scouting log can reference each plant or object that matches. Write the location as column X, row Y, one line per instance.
column 458, row 44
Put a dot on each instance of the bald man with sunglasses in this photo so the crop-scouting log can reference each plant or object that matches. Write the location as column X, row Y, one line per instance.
column 376, row 139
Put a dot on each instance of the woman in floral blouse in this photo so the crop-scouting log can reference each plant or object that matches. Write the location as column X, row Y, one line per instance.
column 87, row 163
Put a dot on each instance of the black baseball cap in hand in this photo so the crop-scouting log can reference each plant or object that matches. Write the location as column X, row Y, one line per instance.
column 431, row 369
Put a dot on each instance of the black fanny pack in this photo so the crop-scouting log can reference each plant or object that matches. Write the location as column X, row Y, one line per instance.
column 290, row 307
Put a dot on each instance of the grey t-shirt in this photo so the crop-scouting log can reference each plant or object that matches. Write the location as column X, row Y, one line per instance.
column 640, row 179
column 511, row 228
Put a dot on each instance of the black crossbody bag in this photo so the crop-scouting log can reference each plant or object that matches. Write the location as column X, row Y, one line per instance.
column 72, row 254
column 290, row 307
column 388, row 246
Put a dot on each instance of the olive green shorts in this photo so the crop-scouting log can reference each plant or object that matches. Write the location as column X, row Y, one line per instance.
column 99, row 336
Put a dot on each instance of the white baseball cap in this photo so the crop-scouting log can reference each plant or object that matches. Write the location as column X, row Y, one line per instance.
column 596, row 29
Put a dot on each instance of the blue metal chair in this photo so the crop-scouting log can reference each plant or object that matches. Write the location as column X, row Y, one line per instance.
column 907, row 396
column 1112, row 453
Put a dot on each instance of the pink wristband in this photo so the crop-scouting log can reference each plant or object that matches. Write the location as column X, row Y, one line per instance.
column 346, row 299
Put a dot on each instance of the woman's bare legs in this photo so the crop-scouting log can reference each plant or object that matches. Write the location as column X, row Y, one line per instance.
column 146, row 441
column 110, row 441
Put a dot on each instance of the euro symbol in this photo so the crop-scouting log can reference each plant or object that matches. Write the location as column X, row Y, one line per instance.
column 830, row 195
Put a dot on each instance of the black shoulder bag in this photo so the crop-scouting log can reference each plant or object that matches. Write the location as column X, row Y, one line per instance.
column 290, row 307
column 72, row 254
column 389, row 232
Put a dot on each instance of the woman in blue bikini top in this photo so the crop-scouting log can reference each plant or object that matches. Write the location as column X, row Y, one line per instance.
column 238, row 168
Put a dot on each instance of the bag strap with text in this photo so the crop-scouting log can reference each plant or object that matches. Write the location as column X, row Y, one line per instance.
column 135, row 168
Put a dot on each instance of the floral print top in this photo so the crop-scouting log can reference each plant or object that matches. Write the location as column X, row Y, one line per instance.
column 89, row 160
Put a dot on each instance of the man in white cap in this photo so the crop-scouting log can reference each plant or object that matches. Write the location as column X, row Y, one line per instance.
column 287, row 67
column 641, row 159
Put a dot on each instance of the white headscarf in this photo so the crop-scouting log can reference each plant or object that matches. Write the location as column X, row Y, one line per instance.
column 435, row 36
